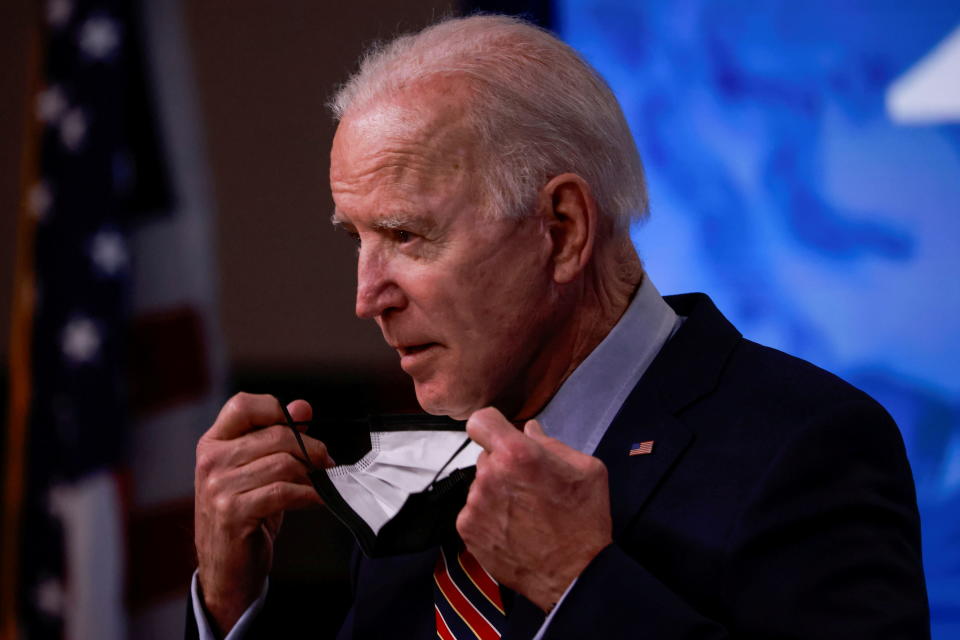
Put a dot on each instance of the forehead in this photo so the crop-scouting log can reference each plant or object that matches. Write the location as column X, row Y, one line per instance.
column 414, row 144
column 392, row 132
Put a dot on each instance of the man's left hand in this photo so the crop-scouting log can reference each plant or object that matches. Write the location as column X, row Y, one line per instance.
column 538, row 511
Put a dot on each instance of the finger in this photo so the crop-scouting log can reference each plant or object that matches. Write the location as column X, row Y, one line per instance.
column 275, row 439
column 260, row 473
column 476, row 523
column 482, row 459
column 490, row 429
column 317, row 450
column 301, row 412
column 243, row 413
column 565, row 453
column 533, row 429
column 269, row 500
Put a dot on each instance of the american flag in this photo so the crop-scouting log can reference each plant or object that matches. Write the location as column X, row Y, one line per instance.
column 641, row 448
column 64, row 551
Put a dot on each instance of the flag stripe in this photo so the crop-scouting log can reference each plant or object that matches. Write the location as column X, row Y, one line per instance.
column 641, row 448
column 70, row 550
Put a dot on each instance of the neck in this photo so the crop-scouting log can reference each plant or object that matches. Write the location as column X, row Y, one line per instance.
column 592, row 306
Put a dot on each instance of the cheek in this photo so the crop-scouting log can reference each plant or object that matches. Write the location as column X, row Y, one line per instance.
column 489, row 309
column 506, row 284
column 505, row 322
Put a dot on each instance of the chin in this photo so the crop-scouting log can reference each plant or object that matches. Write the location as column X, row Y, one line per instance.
column 440, row 400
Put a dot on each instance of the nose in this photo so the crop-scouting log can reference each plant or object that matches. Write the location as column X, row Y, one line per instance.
column 377, row 288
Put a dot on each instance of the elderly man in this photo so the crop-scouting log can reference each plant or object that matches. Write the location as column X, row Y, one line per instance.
column 646, row 472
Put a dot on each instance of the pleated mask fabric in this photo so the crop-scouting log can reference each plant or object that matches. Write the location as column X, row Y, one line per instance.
column 404, row 494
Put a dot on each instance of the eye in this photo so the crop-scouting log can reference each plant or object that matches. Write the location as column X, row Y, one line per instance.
column 355, row 237
column 402, row 236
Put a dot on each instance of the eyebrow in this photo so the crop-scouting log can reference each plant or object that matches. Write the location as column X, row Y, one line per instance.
column 386, row 223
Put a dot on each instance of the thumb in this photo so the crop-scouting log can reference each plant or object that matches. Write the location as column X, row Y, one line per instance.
column 533, row 429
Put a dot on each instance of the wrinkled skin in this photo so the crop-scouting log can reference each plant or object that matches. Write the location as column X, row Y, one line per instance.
column 248, row 473
column 538, row 511
column 463, row 299
column 483, row 312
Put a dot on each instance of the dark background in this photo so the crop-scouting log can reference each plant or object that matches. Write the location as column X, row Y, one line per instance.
column 263, row 73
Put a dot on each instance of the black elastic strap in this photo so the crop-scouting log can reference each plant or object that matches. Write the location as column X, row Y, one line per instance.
column 296, row 434
column 401, row 418
column 445, row 464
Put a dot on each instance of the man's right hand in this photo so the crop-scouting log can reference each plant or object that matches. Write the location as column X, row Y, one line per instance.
column 248, row 472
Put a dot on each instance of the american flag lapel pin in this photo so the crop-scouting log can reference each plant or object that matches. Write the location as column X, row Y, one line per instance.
column 641, row 448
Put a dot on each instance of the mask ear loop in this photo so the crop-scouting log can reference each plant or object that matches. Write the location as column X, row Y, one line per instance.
column 296, row 434
column 310, row 467
column 447, row 463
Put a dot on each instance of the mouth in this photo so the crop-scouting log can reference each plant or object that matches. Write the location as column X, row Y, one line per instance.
column 412, row 355
column 414, row 349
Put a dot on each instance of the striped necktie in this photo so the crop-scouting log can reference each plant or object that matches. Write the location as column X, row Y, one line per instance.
column 467, row 599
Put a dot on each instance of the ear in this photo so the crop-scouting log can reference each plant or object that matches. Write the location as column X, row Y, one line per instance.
column 570, row 213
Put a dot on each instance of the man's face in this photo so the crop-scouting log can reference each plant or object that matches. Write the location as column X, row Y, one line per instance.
column 464, row 300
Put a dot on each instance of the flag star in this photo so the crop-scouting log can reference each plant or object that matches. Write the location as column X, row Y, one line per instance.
column 109, row 252
column 73, row 129
column 51, row 104
column 99, row 37
column 80, row 341
column 39, row 200
column 59, row 12
column 49, row 597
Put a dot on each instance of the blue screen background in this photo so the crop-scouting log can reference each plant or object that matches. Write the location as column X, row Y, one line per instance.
column 781, row 185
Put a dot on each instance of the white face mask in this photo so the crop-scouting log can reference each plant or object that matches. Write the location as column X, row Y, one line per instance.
column 404, row 494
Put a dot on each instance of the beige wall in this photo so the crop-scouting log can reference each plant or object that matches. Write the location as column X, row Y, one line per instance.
column 264, row 76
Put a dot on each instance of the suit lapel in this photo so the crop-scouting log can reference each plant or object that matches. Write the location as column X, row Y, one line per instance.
column 687, row 368
column 634, row 478
column 398, row 591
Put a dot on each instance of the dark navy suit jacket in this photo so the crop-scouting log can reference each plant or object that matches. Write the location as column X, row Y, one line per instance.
column 777, row 503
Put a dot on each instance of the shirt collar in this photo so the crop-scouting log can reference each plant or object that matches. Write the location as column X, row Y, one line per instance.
column 587, row 402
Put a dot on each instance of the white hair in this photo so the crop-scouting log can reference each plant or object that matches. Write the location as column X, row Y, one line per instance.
column 539, row 109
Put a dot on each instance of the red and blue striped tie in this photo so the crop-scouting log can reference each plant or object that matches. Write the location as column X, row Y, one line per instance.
column 467, row 599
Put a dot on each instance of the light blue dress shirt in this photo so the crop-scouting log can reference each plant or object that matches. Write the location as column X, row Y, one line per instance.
column 578, row 415
column 581, row 411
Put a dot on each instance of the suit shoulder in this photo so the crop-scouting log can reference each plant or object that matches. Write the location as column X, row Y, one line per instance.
column 774, row 379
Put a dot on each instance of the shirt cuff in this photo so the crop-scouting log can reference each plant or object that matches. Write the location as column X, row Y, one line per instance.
column 553, row 612
column 240, row 629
